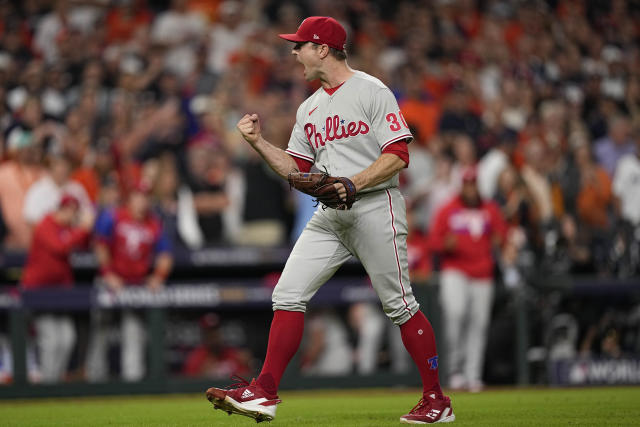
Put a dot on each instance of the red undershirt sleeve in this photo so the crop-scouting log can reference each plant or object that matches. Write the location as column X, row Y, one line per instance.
column 399, row 149
column 303, row 165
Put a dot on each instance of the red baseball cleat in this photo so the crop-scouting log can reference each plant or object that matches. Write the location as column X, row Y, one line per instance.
column 244, row 398
column 430, row 410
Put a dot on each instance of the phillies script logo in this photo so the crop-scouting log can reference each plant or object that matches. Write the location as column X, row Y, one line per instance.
column 334, row 128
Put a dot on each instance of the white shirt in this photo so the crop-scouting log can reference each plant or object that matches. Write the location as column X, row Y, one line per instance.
column 626, row 185
column 44, row 196
column 179, row 31
column 224, row 41
column 489, row 169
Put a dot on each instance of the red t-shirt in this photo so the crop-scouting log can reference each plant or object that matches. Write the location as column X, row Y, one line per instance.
column 48, row 260
column 474, row 229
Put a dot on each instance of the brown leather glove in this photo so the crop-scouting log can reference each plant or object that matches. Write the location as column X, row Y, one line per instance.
column 319, row 185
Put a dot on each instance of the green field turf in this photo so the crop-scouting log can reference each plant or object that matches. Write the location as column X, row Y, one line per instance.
column 512, row 407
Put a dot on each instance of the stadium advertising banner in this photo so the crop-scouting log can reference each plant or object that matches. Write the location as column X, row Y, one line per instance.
column 595, row 371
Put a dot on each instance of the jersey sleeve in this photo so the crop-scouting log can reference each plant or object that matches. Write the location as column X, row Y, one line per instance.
column 439, row 229
column 387, row 121
column 104, row 225
column 299, row 145
column 163, row 244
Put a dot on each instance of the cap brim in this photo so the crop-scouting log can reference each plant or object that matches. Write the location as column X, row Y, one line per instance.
column 292, row 38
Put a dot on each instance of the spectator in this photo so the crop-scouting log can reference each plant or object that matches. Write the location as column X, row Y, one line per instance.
column 128, row 239
column 513, row 198
column 611, row 148
column 463, row 233
column 626, row 186
column 207, row 171
column 48, row 267
column 213, row 358
column 417, row 179
column 125, row 18
column 594, row 197
column 228, row 35
column 45, row 194
column 16, row 177
column 534, row 175
column 179, row 31
column 444, row 187
column 494, row 162
column 458, row 116
column 419, row 107
column 264, row 205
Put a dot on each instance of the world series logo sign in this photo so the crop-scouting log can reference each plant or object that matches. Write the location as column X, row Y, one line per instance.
column 595, row 371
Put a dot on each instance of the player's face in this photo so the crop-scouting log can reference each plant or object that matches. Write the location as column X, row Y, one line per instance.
column 306, row 53
column 138, row 203
column 470, row 193
column 68, row 214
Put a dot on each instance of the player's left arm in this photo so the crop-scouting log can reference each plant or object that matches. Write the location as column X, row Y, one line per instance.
column 385, row 167
column 163, row 263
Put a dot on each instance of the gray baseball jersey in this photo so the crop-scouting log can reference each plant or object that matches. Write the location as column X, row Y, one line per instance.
column 345, row 132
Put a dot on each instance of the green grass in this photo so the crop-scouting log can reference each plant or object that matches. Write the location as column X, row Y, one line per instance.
column 512, row 407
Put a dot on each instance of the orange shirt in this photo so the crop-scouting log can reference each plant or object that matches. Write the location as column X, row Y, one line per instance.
column 423, row 115
column 594, row 199
column 88, row 178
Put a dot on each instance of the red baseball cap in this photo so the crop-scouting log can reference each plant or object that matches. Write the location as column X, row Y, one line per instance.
column 470, row 174
column 68, row 200
column 320, row 30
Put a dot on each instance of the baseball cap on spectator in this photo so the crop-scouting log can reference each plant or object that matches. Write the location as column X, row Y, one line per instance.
column 319, row 30
column 68, row 200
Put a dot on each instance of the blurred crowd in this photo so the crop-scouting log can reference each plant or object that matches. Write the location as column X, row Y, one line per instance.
column 105, row 99
column 543, row 96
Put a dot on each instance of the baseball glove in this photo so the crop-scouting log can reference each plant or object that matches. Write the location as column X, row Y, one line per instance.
column 319, row 185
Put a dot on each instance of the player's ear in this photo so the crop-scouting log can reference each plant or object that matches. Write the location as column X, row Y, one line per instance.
column 323, row 51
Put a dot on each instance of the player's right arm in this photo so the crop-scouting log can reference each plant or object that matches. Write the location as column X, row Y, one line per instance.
column 281, row 162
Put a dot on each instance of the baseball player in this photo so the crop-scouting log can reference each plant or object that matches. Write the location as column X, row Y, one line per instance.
column 463, row 233
column 48, row 267
column 132, row 250
column 352, row 128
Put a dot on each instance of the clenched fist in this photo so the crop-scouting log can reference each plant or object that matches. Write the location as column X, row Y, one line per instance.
column 249, row 127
